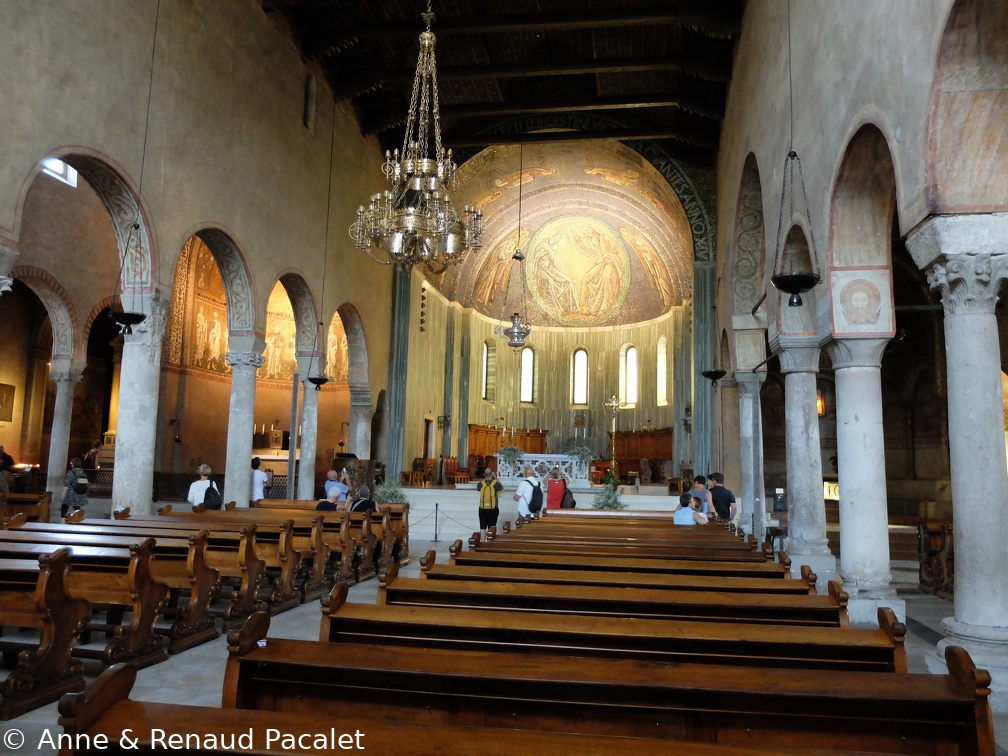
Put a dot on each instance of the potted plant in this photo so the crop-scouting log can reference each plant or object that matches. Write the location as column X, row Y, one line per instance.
column 510, row 455
column 389, row 493
column 582, row 452
column 608, row 496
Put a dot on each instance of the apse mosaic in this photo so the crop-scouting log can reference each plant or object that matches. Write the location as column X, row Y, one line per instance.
column 606, row 239
column 577, row 270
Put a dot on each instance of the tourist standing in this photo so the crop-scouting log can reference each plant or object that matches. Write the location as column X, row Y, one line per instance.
column 489, row 490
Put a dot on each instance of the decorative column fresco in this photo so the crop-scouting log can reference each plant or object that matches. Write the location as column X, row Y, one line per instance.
column 703, row 359
column 864, row 516
column 397, row 372
column 241, row 413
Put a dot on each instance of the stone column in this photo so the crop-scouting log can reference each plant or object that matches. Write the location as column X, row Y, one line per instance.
column 359, row 426
column 703, row 359
column 969, row 285
column 241, row 414
column 309, row 432
column 864, row 509
column 799, row 358
column 750, row 429
column 136, row 429
column 66, row 377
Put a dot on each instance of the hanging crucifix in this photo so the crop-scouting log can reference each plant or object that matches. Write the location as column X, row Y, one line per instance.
column 614, row 405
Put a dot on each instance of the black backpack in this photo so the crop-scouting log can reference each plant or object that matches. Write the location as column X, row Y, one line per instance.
column 212, row 498
column 536, row 502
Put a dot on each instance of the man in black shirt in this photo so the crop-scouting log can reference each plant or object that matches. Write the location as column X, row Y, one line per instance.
column 721, row 497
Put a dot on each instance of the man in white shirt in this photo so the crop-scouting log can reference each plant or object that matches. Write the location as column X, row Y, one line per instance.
column 259, row 481
column 523, row 494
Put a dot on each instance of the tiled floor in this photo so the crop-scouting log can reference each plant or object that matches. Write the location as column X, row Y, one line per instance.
column 195, row 676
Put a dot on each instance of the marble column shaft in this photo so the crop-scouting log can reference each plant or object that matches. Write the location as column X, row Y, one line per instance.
column 66, row 379
column 309, row 441
column 241, row 414
column 806, row 507
column 864, row 513
column 750, row 452
column 136, row 426
column 969, row 286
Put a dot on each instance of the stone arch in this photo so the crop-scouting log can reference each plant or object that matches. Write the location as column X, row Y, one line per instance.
column 97, row 310
column 967, row 157
column 750, row 241
column 57, row 302
column 862, row 205
column 358, row 380
column 305, row 313
column 129, row 222
column 859, row 252
column 234, row 269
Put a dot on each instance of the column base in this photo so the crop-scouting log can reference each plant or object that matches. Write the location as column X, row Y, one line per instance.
column 862, row 609
column 823, row 565
column 987, row 646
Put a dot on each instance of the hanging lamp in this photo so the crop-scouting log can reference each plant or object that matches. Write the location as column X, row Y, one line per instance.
column 790, row 281
column 320, row 379
column 122, row 317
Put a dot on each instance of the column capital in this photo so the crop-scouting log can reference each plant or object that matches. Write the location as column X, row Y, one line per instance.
column 150, row 333
column 969, row 283
column 748, row 382
column 798, row 354
column 942, row 235
column 851, row 353
column 245, row 359
column 71, row 376
column 5, row 283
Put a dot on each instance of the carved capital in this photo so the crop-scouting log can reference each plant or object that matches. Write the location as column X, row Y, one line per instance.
column 5, row 283
column 797, row 354
column 245, row 359
column 150, row 333
column 969, row 283
column 70, row 377
column 750, row 383
column 851, row 353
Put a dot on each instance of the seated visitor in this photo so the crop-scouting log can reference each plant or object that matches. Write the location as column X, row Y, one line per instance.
column 362, row 502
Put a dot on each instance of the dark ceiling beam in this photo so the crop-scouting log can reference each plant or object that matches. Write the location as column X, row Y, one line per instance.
column 689, row 66
column 707, row 142
column 326, row 36
column 391, row 117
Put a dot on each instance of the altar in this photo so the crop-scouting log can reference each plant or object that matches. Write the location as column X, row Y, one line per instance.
column 577, row 471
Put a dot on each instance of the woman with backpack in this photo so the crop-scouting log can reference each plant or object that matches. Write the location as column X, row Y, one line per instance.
column 556, row 487
column 489, row 488
column 75, row 495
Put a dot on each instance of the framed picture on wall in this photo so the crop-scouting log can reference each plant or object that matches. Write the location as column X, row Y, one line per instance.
column 6, row 403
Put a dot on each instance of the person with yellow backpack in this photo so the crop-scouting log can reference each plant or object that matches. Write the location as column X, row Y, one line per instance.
column 488, row 489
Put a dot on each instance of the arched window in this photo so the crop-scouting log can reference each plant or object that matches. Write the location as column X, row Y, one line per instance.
column 527, row 375
column 489, row 371
column 662, row 383
column 628, row 374
column 579, row 378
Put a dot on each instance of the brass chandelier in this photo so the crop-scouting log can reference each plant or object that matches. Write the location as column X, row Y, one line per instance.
column 416, row 222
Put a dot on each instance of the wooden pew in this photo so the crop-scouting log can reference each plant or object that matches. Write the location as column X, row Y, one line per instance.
column 713, row 704
column 617, row 579
column 655, row 538
column 179, row 561
column 34, row 593
column 274, row 545
column 33, row 506
column 609, row 563
column 398, row 519
column 304, row 549
column 232, row 553
column 749, row 645
column 116, row 572
column 619, row 549
column 711, row 605
column 104, row 710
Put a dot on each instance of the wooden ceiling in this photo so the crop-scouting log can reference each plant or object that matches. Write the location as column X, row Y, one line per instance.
column 653, row 70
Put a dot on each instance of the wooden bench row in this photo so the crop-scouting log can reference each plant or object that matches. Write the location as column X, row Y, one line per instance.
column 34, row 507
